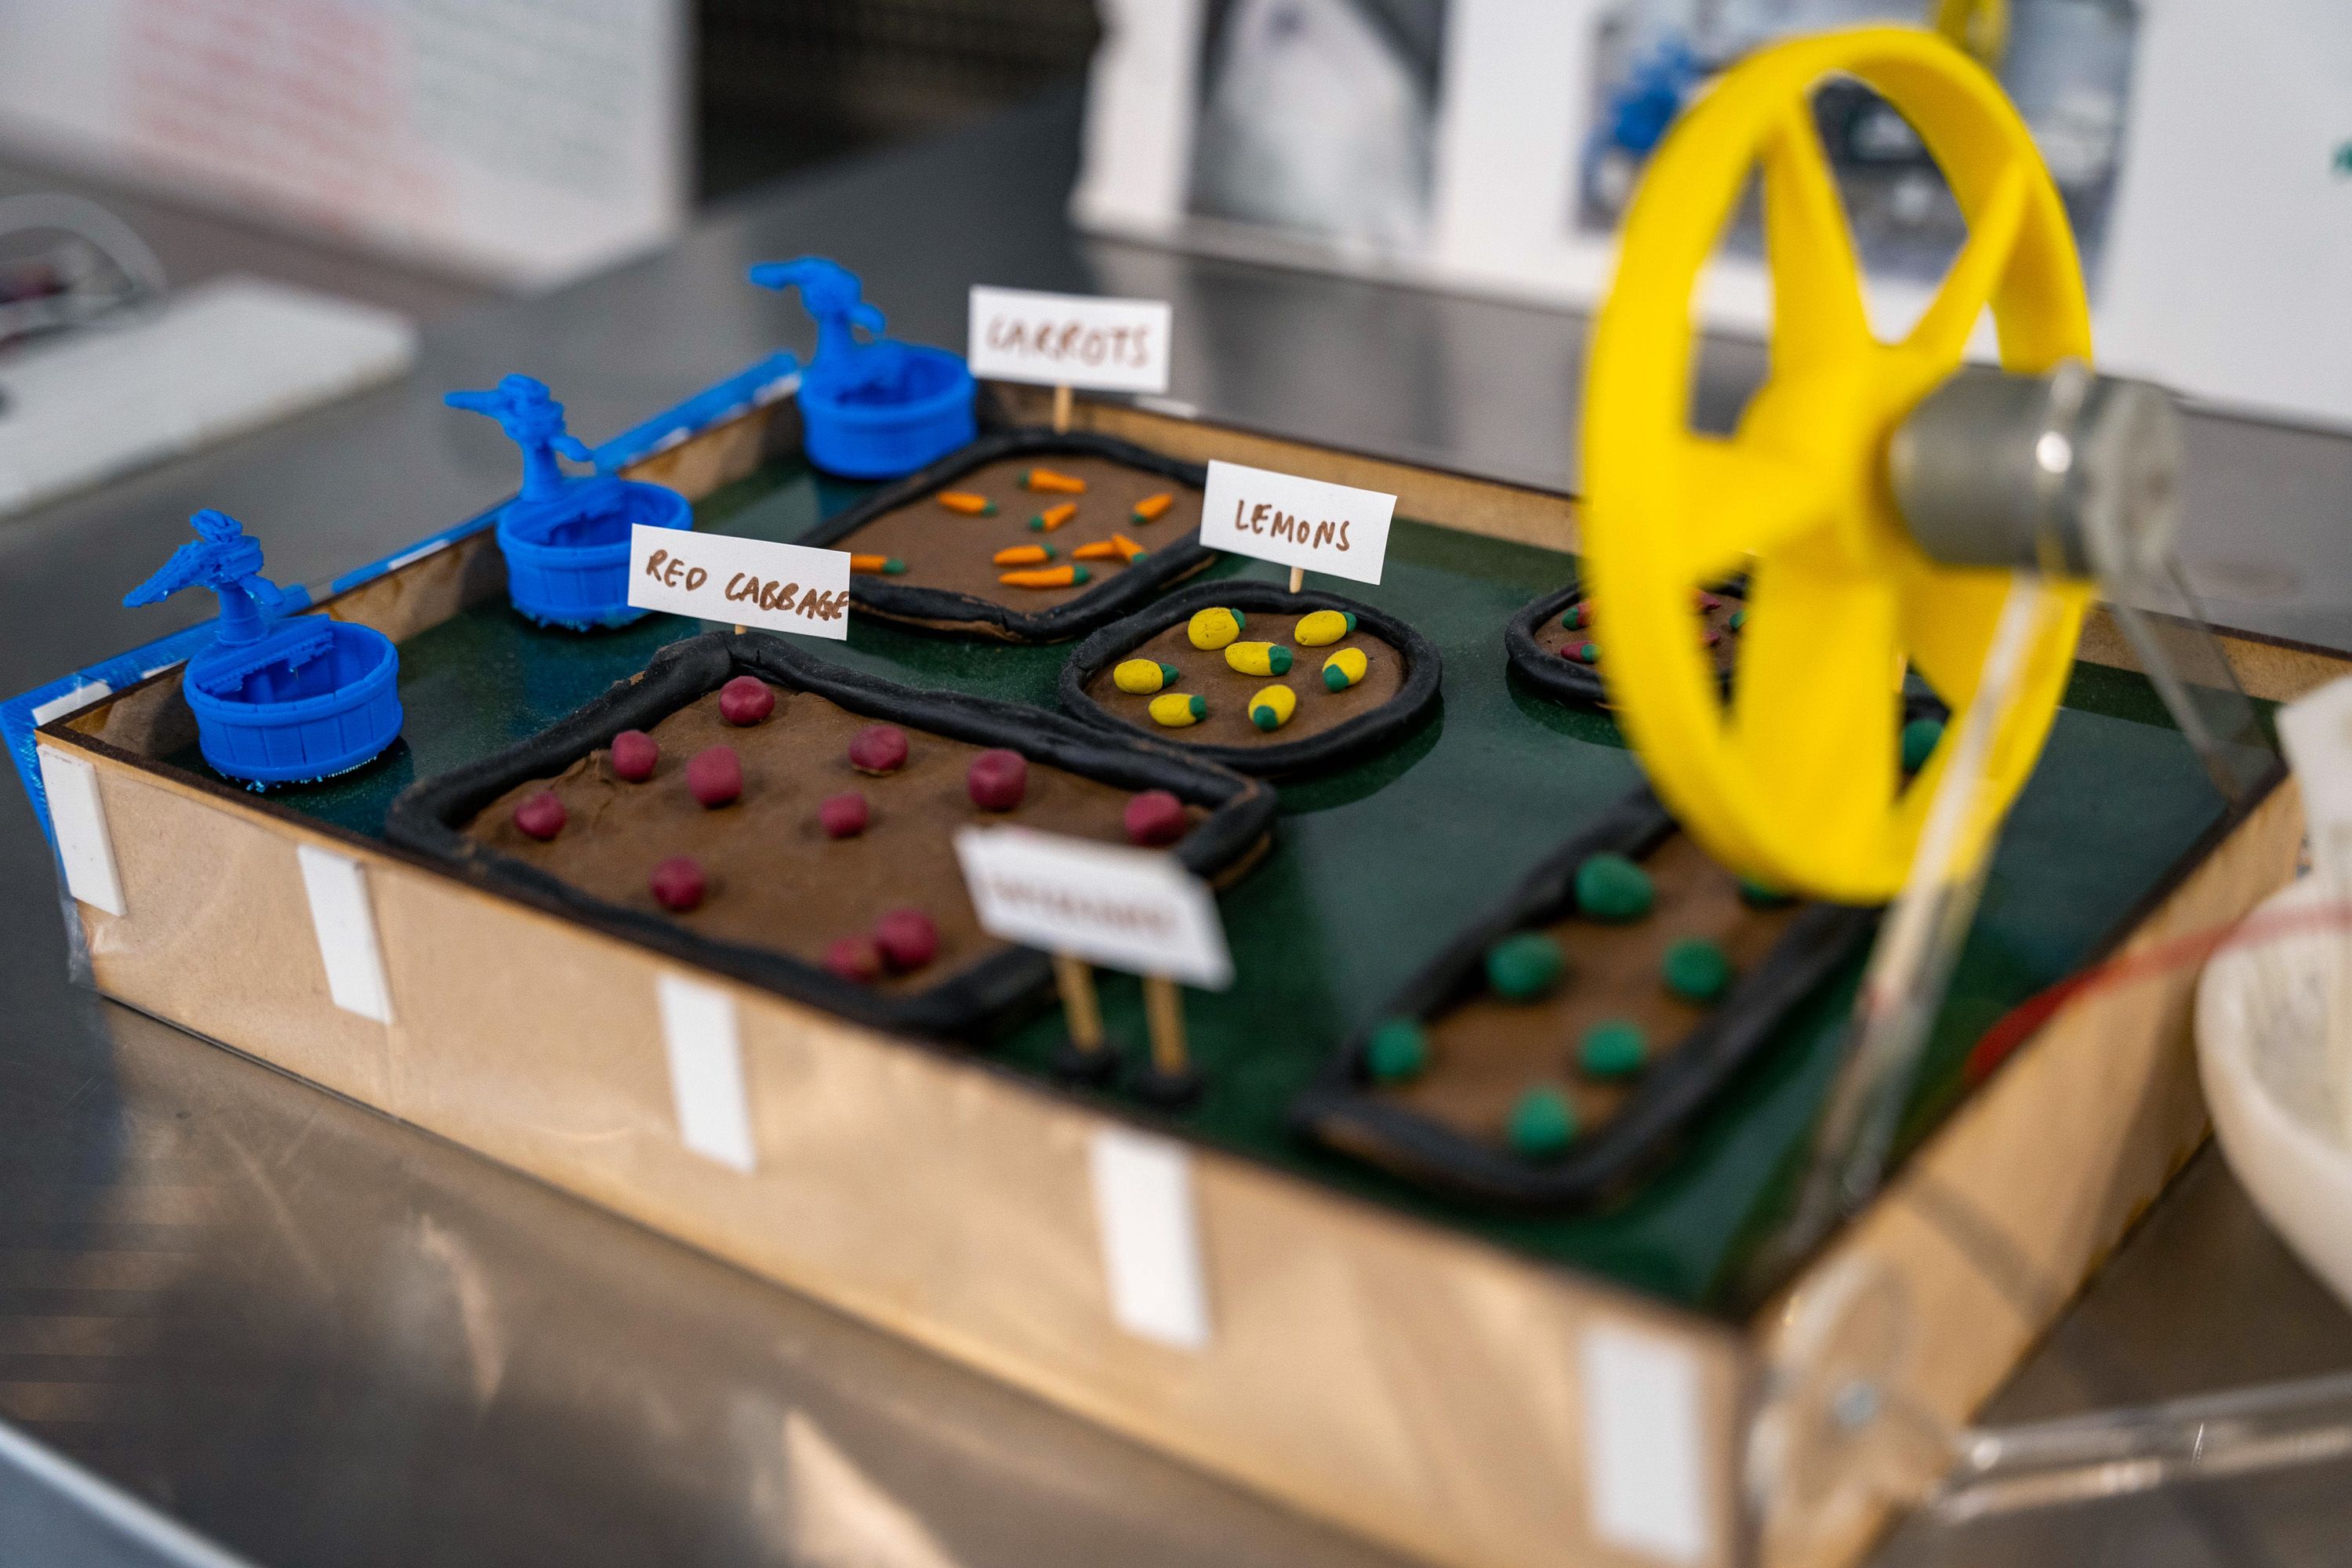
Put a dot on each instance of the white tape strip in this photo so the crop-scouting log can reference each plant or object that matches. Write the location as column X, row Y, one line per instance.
column 1644, row 1485
column 1151, row 1237
column 706, row 1071
column 78, row 817
column 344, row 922
column 73, row 701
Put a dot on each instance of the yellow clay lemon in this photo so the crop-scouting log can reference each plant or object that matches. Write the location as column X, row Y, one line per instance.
column 1258, row 657
column 1142, row 677
column 1323, row 628
column 1344, row 669
column 1212, row 629
column 1175, row 710
column 1271, row 709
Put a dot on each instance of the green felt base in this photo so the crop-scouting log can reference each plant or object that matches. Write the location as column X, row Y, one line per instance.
column 1375, row 866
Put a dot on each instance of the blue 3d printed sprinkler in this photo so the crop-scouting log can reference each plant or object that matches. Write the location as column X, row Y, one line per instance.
column 870, row 410
column 276, row 701
column 566, row 540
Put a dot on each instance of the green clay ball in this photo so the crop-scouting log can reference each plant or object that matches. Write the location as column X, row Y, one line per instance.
column 1587, row 653
column 1919, row 738
column 1542, row 1123
column 1334, row 679
column 1523, row 967
column 1612, row 888
column 1756, row 896
column 1398, row 1051
column 1739, row 619
column 1697, row 971
column 1613, row 1049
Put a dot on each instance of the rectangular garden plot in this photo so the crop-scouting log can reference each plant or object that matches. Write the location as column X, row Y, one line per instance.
column 817, row 868
column 1560, row 1044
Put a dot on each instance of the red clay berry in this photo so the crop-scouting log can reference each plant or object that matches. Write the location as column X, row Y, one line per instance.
column 906, row 939
column 678, row 883
column 855, row 958
column 878, row 749
column 843, row 815
column 997, row 779
column 1154, row 818
column 715, row 775
column 634, row 755
column 746, row 699
column 541, row 814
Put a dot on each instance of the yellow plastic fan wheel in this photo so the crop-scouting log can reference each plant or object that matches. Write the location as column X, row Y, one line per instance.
column 1797, row 783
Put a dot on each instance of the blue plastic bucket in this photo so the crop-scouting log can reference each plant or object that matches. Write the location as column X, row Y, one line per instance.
column 568, row 558
column 883, row 432
column 287, row 722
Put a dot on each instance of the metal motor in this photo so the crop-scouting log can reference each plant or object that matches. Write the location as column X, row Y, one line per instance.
column 2072, row 473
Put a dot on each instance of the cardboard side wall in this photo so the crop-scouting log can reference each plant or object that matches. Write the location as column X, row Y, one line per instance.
column 1420, row 1388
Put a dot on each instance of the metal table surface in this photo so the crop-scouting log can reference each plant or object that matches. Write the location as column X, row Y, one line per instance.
column 318, row 1336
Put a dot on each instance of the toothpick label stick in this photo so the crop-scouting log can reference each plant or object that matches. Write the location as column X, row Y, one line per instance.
column 1069, row 340
column 1133, row 910
column 1305, row 524
column 744, row 581
column 1076, row 981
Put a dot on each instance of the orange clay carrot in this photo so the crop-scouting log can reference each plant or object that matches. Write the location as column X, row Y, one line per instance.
column 1117, row 547
column 890, row 565
column 1052, row 517
column 1150, row 508
column 966, row 502
column 1049, row 480
column 1024, row 555
column 1045, row 577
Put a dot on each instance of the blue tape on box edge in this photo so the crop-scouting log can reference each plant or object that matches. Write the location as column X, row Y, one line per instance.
column 774, row 377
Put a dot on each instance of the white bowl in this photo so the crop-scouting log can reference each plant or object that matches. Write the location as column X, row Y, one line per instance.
column 2262, row 1052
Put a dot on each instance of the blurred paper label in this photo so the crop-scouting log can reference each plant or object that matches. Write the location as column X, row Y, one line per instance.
column 1135, row 909
column 2317, row 732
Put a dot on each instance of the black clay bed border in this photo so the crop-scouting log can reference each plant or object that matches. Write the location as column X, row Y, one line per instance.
column 428, row 817
column 944, row 610
column 1565, row 681
column 1341, row 1111
column 1364, row 734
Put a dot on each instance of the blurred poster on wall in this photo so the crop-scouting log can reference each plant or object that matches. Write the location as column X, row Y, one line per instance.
column 2204, row 154
column 525, row 140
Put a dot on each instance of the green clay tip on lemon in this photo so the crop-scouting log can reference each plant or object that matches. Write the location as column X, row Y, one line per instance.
column 1612, row 888
column 1523, row 967
column 1919, row 738
column 1398, row 1051
column 1697, row 971
column 1542, row 1123
column 1756, row 896
column 1613, row 1049
column 1334, row 679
